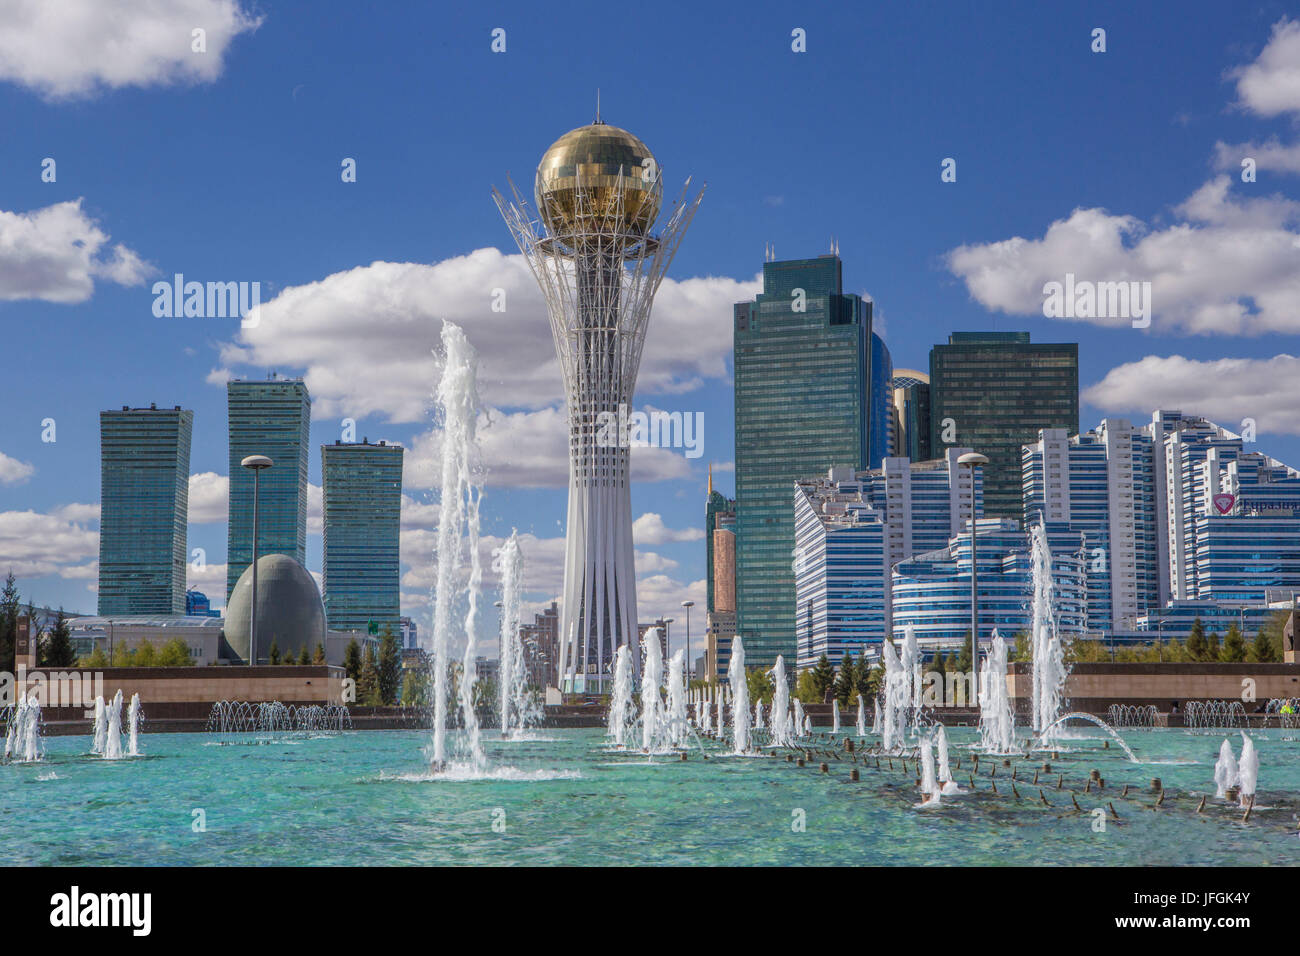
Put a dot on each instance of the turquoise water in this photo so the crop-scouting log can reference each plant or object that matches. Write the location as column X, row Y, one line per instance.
column 364, row 798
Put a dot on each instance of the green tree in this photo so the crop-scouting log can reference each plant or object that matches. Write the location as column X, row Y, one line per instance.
column 145, row 654
column 1022, row 651
column 368, row 684
column 1212, row 647
column 1261, row 649
column 805, row 688
column 823, row 679
column 319, row 656
column 760, row 684
column 303, row 657
column 390, row 666
column 415, row 687
column 274, row 655
column 10, row 607
column 57, row 650
column 1196, row 643
column 965, row 656
column 96, row 659
column 34, row 630
column 352, row 660
column 846, row 681
column 875, row 680
column 1234, row 646
column 175, row 653
column 122, row 657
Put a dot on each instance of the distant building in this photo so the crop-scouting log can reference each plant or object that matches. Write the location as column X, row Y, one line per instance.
column 910, row 437
column 409, row 633
column 487, row 669
column 198, row 605
column 720, row 572
column 362, row 491
column 541, row 644
column 803, row 399
column 880, row 429
column 271, row 418
column 931, row 592
column 993, row 392
column 144, row 509
column 852, row 528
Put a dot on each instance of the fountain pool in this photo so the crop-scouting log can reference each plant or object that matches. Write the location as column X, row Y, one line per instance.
column 366, row 797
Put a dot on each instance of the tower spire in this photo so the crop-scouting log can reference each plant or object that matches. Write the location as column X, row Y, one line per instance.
column 598, row 120
column 710, row 479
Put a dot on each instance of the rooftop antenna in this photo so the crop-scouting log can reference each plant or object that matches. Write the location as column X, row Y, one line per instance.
column 598, row 120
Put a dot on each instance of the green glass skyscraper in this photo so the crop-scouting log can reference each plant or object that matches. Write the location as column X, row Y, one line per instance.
column 993, row 391
column 144, row 509
column 269, row 418
column 363, row 513
column 802, row 371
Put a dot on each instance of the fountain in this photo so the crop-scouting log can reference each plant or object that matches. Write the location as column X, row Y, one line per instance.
column 758, row 715
column 946, row 783
column 113, row 743
column 1214, row 715
column 703, row 711
column 23, row 736
column 929, row 786
column 1131, row 715
column 1049, row 668
column 1040, row 742
column 800, row 727
column 1247, row 770
column 875, row 716
column 133, row 725
column 782, row 733
column 896, row 697
column 862, row 717
column 997, row 723
column 100, row 734
column 835, row 716
column 458, row 508
column 621, row 714
column 238, row 716
column 739, row 697
column 911, row 664
column 679, row 727
column 1225, row 770
column 722, row 723
column 512, row 690
column 652, row 705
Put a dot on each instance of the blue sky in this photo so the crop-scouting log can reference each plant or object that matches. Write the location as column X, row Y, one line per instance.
column 225, row 165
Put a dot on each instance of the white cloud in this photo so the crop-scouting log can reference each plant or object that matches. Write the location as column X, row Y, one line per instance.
column 1223, row 390
column 650, row 529
column 1271, row 84
column 365, row 338
column 648, row 562
column 659, row 595
column 75, row 48
column 209, row 498
column 35, row 544
column 54, row 254
column 528, row 449
column 13, row 471
column 1232, row 267
column 1270, row 156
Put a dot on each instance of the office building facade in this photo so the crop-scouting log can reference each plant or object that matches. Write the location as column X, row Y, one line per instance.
column 271, row 418
column 993, row 392
column 910, row 400
column 803, row 405
column 362, row 485
column 144, row 510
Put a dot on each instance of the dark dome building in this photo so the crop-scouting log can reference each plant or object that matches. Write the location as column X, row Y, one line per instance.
column 289, row 609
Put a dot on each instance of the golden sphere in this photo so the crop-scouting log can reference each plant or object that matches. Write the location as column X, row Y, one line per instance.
column 594, row 156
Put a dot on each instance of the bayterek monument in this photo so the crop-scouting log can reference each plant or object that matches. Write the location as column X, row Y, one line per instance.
column 594, row 251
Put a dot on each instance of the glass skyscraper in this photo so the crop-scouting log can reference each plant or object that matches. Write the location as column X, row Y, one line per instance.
column 269, row 418
column 803, row 405
column 363, row 512
column 994, row 391
column 144, row 509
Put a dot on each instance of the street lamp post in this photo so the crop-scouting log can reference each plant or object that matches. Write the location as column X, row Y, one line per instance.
column 973, row 460
column 255, row 464
column 690, row 665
